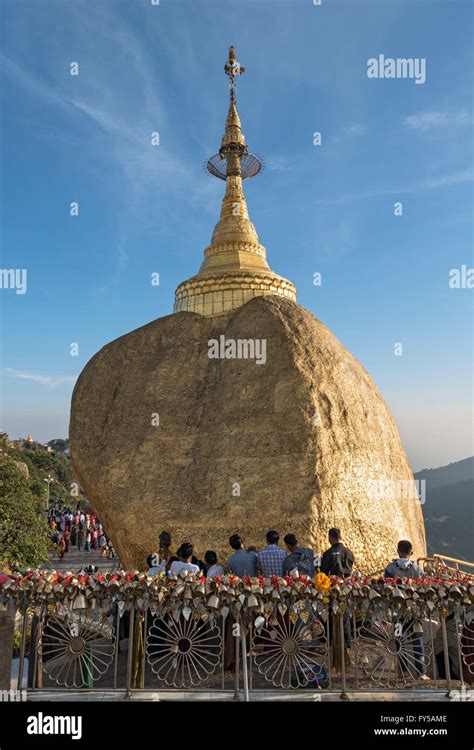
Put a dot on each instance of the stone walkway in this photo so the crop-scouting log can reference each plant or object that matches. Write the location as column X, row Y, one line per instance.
column 76, row 559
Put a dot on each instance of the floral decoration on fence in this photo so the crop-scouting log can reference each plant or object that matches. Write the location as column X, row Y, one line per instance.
column 201, row 597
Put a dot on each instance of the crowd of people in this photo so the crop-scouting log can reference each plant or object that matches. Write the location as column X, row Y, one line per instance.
column 79, row 529
column 83, row 530
column 273, row 560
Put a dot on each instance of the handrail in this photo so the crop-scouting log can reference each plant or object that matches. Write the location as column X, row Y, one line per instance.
column 440, row 562
column 453, row 559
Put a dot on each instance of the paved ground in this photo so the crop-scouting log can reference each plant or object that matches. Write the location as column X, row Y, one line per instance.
column 75, row 560
column 228, row 695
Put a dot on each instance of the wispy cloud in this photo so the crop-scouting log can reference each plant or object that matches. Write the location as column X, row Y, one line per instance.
column 434, row 120
column 466, row 175
column 122, row 256
column 29, row 81
column 279, row 163
column 48, row 380
column 355, row 130
column 348, row 132
column 114, row 126
column 432, row 183
column 128, row 128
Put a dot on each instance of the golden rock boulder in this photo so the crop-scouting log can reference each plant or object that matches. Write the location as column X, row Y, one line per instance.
column 165, row 437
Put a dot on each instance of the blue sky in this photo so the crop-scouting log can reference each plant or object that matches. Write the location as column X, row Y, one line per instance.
column 326, row 209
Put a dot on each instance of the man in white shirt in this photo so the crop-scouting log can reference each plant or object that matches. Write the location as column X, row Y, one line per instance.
column 214, row 569
column 185, row 554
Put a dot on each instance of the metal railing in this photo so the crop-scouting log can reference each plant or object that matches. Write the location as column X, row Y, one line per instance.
column 441, row 564
column 379, row 647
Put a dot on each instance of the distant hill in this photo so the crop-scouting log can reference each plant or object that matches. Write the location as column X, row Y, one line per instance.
column 38, row 463
column 448, row 510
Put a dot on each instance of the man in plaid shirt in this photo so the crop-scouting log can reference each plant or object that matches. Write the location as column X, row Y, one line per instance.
column 271, row 559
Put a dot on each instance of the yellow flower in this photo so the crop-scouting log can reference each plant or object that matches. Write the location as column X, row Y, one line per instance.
column 322, row 582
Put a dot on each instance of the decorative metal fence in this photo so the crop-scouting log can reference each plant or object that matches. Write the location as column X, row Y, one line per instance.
column 127, row 632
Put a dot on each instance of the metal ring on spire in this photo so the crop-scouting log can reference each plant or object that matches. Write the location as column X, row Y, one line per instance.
column 250, row 165
column 233, row 157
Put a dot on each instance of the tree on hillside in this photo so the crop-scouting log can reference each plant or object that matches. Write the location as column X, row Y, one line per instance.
column 42, row 464
column 24, row 537
column 59, row 445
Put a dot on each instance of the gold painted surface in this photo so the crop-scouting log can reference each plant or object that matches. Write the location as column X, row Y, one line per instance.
column 235, row 267
column 305, row 436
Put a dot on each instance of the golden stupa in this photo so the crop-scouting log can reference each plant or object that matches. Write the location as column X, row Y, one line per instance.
column 235, row 267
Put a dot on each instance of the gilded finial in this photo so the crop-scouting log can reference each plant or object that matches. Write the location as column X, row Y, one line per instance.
column 234, row 269
column 232, row 68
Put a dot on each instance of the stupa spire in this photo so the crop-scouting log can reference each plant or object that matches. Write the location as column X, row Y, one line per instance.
column 234, row 268
column 233, row 142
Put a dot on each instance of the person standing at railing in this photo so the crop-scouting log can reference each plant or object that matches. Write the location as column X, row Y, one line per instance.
column 157, row 561
column 338, row 559
column 164, row 550
column 213, row 567
column 242, row 562
column 271, row 559
column 299, row 558
column 402, row 568
column 185, row 555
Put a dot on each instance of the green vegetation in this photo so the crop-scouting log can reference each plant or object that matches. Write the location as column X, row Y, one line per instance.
column 59, row 445
column 24, row 536
column 40, row 464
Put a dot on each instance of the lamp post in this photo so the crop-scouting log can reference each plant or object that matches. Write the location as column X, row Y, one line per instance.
column 48, row 481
